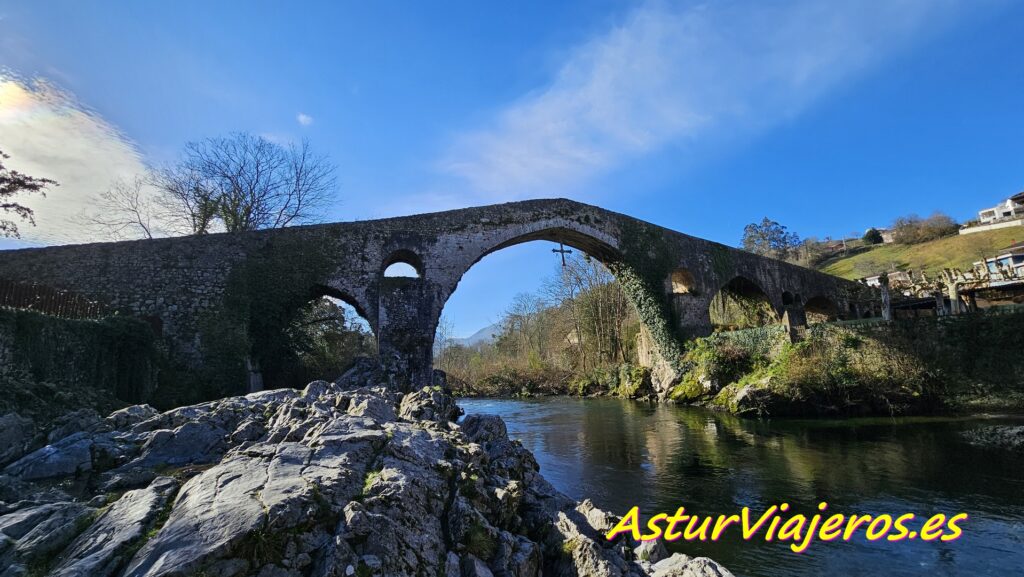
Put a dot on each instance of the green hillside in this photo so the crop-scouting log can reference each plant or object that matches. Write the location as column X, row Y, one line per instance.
column 933, row 256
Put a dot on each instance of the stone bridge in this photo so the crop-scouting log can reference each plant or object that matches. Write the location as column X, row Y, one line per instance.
column 671, row 278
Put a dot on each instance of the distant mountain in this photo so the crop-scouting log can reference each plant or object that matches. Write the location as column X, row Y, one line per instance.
column 481, row 337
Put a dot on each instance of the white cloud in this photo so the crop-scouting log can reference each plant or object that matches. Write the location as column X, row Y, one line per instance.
column 47, row 133
column 304, row 119
column 680, row 76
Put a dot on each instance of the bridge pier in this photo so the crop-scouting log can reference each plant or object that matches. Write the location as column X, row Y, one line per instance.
column 794, row 318
column 692, row 317
column 405, row 332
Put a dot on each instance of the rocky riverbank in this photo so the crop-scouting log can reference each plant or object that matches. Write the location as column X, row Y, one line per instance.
column 339, row 479
column 626, row 381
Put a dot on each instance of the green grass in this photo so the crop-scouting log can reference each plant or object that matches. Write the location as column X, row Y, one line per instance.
column 479, row 542
column 950, row 252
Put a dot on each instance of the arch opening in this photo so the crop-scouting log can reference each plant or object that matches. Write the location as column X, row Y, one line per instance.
column 572, row 324
column 741, row 304
column 821, row 309
column 681, row 282
column 324, row 337
column 401, row 270
column 588, row 244
column 402, row 263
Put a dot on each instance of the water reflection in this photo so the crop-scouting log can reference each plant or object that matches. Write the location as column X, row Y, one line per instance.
column 622, row 453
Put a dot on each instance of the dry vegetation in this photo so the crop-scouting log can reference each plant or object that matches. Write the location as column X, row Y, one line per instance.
column 570, row 337
column 949, row 252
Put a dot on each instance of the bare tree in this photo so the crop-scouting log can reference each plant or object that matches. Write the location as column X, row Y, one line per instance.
column 249, row 183
column 443, row 342
column 125, row 210
column 523, row 321
column 13, row 182
column 189, row 207
column 233, row 183
column 913, row 229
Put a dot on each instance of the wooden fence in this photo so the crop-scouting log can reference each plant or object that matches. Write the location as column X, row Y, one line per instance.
column 49, row 301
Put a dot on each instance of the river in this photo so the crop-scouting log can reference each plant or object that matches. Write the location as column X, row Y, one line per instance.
column 623, row 453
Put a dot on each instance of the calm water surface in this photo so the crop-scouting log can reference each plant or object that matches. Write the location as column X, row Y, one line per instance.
column 622, row 453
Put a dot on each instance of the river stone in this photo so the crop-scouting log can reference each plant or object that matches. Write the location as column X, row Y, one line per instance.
column 364, row 372
column 429, row 404
column 129, row 416
column 651, row 551
column 1000, row 437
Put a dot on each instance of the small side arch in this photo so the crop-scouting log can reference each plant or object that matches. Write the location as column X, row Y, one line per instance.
column 322, row 291
column 402, row 263
column 821, row 309
column 682, row 282
column 741, row 304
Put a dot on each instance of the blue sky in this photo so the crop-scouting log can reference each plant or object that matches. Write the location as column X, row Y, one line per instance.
column 826, row 116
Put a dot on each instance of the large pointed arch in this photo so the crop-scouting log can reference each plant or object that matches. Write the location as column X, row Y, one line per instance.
column 645, row 292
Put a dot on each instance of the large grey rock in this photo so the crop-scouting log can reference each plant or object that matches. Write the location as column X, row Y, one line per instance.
column 679, row 565
column 68, row 457
column 339, row 479
column 16, row 433
column 364, row 372
column 651, row 551
column 101, row 550
column 35, row 533
column 86, row 420
column 129, row 416
column 192, row 442
column 214, row 511
column 473, row 567
column 429, row 404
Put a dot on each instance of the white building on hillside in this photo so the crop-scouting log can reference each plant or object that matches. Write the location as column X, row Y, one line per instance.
column 1010, row 208
column 1010, row 263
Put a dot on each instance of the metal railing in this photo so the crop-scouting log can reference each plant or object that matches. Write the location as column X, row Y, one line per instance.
column 49, row 301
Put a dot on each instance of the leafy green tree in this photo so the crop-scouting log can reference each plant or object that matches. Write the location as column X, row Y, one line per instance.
column 13, row 183
column 769, row 238
column 872, row 236
column 326, row 340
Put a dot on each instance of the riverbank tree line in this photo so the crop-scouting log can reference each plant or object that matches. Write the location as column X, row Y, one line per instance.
column 577, row 334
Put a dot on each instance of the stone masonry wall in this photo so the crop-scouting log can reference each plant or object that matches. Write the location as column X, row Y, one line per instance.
column 174, row 283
